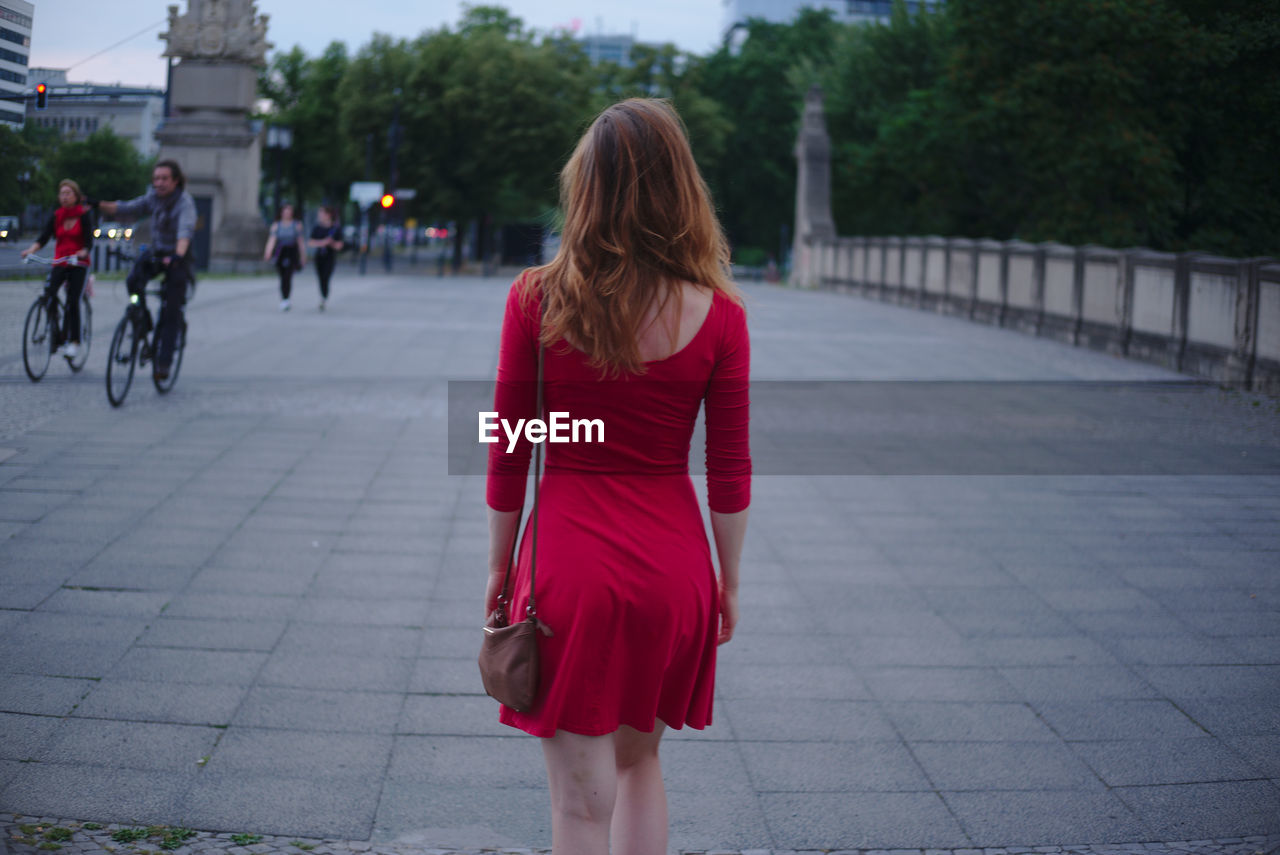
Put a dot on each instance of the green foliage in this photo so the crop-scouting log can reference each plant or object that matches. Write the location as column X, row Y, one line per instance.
column 23, row 152
column 129, row 835
column 174, row 838
column 246, row 839
column 58, row 833
column 1083, row 121
column 306, row 97
column 760, row 88
column 106, row 166
column 1118, row 122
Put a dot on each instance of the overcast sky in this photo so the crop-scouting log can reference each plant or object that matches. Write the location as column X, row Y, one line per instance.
column 66, row 32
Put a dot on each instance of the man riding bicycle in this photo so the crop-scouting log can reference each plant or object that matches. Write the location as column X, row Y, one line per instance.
column 173, row 225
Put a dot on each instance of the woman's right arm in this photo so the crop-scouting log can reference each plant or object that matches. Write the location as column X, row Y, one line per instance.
column 502, row 535
column 729, row 531
column 271, row 243
column 514, row 397
column 43, row 238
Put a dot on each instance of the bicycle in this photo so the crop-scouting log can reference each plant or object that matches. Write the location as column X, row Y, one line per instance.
column 136, row 342
column 40, row 330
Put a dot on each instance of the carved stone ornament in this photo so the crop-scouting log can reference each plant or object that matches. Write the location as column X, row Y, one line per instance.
column 218, row 29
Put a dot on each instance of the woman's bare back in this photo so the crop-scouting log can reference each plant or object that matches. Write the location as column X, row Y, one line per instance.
column 656, row 331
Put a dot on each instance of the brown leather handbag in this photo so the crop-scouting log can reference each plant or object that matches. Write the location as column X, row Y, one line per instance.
column 509, row 653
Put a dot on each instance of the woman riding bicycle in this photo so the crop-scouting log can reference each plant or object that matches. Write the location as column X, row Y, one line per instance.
column 71, row 226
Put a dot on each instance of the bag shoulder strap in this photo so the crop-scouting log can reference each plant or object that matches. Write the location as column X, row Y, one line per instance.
column 531, row 610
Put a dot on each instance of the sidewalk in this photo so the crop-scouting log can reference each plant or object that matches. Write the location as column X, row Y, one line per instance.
column 250, row 607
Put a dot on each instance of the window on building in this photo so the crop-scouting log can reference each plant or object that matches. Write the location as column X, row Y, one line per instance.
column 16, row 38
column 15, row 17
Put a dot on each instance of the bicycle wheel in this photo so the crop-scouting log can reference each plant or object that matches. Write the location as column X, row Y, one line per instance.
column 163, row 386
column 37, row 340
column 122, row 359
column 86, row 333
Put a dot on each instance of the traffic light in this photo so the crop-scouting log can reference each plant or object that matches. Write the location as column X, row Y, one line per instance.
column 387, row 200
column 42, row 96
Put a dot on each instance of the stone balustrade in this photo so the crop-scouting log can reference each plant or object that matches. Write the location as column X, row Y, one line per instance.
column 1214, row 317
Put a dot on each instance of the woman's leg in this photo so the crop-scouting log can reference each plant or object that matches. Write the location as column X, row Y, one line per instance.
column 57, row 276
column 583, row 779
column 286, row 280
column 75, row 287
column 324, row 270
column 640, row 815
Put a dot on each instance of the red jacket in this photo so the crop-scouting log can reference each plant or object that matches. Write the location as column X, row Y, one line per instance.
column 72, row 229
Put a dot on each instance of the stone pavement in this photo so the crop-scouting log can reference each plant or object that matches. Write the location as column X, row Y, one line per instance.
column 250, row 607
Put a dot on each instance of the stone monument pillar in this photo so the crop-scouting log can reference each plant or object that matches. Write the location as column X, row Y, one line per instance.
column 218, row 46
column 813, row 191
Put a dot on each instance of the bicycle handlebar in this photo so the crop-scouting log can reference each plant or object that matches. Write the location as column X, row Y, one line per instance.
column 75, row 260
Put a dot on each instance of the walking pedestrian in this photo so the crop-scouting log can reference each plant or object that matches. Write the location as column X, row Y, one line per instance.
column 286, row 245
column 71, row 228
column 326, row 240
column 639, row 326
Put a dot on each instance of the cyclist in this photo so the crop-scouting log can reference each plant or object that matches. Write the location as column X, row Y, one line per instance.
column 71, row 227
column 173, row 225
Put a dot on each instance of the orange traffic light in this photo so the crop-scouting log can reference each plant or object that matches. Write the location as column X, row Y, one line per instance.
column 42, row 96
column 388, row 200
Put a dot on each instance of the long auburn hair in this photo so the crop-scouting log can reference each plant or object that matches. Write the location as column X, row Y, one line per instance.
column 638, row 220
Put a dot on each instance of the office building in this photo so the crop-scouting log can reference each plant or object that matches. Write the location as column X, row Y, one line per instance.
column 781, row 11
column 79, row 109
column 15, row 48
column 615, row 49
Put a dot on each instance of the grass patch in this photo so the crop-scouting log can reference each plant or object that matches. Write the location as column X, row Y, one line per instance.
column 305, row 847
column 92, row 826
column 175, row 837
column 58, row 833
column 246, row 839
column 129, row 835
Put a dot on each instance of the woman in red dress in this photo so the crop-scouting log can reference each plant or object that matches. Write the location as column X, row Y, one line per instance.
column 71, row 229
column 641, row 327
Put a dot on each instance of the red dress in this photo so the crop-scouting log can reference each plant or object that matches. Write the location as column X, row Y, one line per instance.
column 625, row 578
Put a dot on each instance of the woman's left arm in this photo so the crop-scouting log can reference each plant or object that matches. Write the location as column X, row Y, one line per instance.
column 86, row 232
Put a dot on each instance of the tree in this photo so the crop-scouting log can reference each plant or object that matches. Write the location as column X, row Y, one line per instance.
column 891, row 142
column 26, row 152
column 106, row 166
column 759, row 88
column 1229, row 189
column 489, row 115
column 306, row 96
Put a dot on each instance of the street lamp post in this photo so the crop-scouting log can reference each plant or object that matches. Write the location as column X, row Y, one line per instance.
column 279, row 138
column 394, row 141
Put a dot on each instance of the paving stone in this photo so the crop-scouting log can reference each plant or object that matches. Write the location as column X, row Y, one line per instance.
column 300, row 514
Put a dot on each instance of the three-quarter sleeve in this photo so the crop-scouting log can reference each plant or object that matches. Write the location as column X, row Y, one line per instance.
column 728, row 411
column 49, row 228
column 515, row 397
